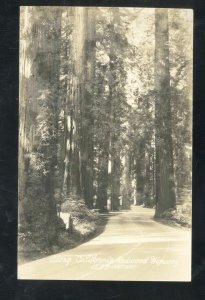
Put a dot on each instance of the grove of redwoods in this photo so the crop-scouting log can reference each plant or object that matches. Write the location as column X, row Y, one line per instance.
column 105, row 111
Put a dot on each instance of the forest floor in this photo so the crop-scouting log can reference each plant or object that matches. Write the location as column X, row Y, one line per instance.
column 30, row 251
column 132, row 246
column 181, row 217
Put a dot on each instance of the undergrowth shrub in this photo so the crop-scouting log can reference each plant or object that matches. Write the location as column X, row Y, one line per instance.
column 84, row 219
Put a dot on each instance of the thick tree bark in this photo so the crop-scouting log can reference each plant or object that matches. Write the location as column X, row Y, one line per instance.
column 148, row 189
column 127, row 184
column 41, row 77
column 23, row 112
column 140, row 172
column 115, row 153
column 103, row 177
column 115, row 183
column 165, row 190
column 29, row 87
column 50, row 50
column 73, row 155
column 87, row 121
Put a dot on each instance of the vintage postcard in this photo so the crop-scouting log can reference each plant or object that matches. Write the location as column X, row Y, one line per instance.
column 105, row 143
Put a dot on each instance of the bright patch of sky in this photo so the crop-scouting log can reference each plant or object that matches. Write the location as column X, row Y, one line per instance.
column 142, row 38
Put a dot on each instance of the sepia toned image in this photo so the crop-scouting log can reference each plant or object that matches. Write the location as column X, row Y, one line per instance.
column 105, row 143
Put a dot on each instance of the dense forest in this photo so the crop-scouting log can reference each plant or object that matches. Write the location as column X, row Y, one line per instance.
column 105, row 112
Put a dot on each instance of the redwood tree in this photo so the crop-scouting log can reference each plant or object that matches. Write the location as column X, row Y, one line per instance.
column 165, row 190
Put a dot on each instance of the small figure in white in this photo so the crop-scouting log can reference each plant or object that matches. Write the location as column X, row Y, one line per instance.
column 109, row 204
column 95, row 201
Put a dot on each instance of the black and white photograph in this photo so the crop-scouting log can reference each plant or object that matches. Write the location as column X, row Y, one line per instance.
column 105, row 143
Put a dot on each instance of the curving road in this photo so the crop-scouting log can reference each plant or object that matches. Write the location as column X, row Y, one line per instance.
column 132, row 247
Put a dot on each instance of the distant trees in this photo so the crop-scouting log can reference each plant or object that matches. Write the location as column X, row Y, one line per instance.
column 171, row 79
column 141, row 121
column 110, row 109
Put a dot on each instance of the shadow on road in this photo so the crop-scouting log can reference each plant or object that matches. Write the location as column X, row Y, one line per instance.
column 171, row 223
column 102, row 222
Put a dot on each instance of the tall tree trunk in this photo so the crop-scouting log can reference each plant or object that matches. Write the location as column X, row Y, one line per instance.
column 127, row 184
column 41, row 80
column 78, row 174
column 140, row 172
column 115, row 155
column 165, row 190
column 103, row 176
column 25, row 28
column 102, row 165
column 51, row 51
column 75, row 94
column 147, row 199
column 115, row 183
column 67, row 124
column 87, row 123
